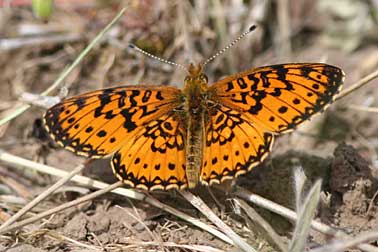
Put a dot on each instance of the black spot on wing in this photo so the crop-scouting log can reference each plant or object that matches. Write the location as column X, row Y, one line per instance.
column 129, row 125
column 101, row 133
column 230, row 86
column 146, row 96
column 159, row 96
column 80, row 103
column 241, row 83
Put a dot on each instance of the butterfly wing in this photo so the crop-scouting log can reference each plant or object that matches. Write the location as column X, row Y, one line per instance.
column 233, row 145
column 154, row 158
column 95, row 124
column 280, row 97
column 135, row 123
column 251, row 106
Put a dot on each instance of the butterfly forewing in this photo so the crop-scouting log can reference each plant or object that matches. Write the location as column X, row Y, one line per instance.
column 96, row 123
column 279, row 97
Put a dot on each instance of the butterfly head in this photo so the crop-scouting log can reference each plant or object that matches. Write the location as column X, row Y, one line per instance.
column 196, row 77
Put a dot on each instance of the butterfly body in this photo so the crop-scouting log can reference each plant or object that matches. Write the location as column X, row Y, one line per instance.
column 162, row 137
column 196, row 106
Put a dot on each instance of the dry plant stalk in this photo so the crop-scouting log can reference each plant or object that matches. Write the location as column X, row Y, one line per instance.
column 198, row 203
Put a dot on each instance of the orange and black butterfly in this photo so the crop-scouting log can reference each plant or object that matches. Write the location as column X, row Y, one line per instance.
column 162, row 137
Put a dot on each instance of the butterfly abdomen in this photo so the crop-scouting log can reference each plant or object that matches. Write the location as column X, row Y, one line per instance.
column 194, row 149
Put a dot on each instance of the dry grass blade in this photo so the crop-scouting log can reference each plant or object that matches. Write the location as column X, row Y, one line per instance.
column 343, row 245
column 60, row 237
column 68, row 70
column 357, row 85
column 305, row 216
column 145, row 226
column 363, row 108
column 42, row 196
column 265, row 228
column 299, row 182
column 205, row 210
column 284, row 42
column 291, row 215
column 21, row 162
column 189, row 219
column 20, row 189
column 62, row 207
column 16, row 161
column 199, row 248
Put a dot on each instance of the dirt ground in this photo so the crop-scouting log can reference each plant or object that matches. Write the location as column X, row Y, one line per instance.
column 340, row 146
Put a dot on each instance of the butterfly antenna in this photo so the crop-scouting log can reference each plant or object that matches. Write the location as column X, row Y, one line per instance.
column 220, row 52
column 132, row 46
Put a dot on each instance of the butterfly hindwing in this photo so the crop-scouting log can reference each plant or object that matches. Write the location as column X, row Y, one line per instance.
column 280, row 97
column 95, row 124
column 154, row 158
column 232, row 145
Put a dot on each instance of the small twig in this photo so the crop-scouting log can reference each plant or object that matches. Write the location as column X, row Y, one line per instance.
column 80, row 244
column 60, row 237
column 41, row 197
column 357, row 85
column 205, row 210
column 371, row 203
column 221, row 206
column 15, row 43
column 152, row 235
column 363, row 108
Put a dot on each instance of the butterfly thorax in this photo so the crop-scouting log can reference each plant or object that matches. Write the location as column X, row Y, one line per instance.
column 195, row 91
column 196, row 80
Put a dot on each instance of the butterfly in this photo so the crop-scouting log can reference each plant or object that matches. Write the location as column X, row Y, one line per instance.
column 162, row 137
